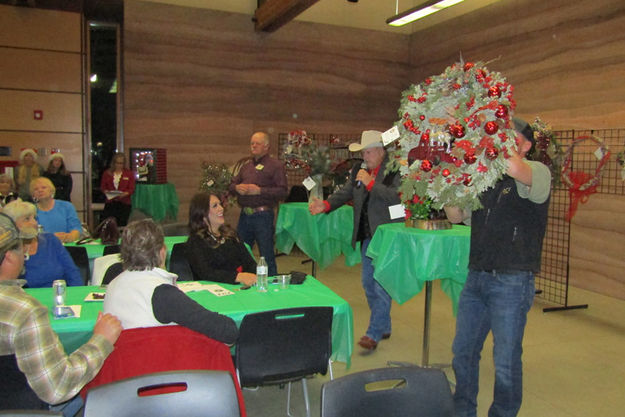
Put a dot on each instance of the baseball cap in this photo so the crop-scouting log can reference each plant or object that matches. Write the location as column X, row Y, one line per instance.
column 9, row 233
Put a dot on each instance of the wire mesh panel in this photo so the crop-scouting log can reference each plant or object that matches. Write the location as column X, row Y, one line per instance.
column 336, row 143
column 553, row 279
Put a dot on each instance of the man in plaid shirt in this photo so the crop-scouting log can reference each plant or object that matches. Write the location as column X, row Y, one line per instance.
column 35, row 369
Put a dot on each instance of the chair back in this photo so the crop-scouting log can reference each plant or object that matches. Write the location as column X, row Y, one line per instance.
column 147, row 350
column 178, row 263
column 112, row 272
column 111, row 249
column 81, row 259
column 101, row 265
column 284, row 345
column 389, row 392
column 29, row 413
column 183, row 393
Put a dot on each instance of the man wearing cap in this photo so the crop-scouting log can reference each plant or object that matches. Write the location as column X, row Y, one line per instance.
column 372, row 191
column 506, row 244
column 34, row 367
column 259, row 186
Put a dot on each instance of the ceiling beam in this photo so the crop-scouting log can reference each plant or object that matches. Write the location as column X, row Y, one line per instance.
column 272, row 14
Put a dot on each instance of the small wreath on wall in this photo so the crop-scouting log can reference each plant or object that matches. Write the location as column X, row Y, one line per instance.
column 582, row 184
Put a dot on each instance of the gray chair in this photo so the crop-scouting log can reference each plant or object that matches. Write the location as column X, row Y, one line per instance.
column 282, row 346
column 28, row 413
column 198, row 393
column 389, row 392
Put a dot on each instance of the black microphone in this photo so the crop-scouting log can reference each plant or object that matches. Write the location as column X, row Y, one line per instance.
column 363, row 165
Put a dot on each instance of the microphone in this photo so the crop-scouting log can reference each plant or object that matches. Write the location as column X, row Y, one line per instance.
column 363, row 165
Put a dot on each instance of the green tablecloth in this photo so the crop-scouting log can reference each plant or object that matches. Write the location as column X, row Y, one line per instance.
column 73, row 332
column 95, row 249
column 156, row 200
column 322, row 237
column 405, row 258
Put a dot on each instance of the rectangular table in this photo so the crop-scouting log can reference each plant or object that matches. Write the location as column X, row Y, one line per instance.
column 95, row 249
column 73, row 332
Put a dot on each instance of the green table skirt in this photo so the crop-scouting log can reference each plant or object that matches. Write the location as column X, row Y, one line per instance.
column 322, row 237
column 158, row 201
column 73, row 332
column 405, row 258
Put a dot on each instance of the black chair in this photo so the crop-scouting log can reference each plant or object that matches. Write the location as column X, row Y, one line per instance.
column 29, row 413
column 112, row 272
column 282, row 346
column 179, row 393
column 111, row 249
column 389, row 392
column 178, row 263
column 81, row 259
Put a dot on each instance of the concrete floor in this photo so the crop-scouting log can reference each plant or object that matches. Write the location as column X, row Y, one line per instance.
column 573, row 360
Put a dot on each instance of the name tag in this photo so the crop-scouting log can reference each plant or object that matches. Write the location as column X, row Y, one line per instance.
column 260, row 167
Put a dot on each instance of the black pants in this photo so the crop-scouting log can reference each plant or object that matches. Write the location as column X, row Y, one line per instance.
column 120, row 211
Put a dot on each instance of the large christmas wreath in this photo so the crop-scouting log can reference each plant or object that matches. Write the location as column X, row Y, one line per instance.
column 455, row 132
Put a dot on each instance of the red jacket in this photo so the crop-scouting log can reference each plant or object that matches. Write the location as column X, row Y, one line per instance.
column 126, row 184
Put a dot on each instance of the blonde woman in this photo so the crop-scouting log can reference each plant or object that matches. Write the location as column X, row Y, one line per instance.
column 56, row 216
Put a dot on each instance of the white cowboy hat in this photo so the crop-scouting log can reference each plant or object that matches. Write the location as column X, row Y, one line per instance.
column 369, row 139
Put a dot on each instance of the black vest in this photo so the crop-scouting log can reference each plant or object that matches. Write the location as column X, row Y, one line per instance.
column 15, row 393
column 507, row 233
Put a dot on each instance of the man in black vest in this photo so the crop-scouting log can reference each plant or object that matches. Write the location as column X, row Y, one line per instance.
column 506, row 244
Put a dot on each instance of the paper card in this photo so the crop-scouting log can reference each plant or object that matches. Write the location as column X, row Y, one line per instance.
column 309, row 183
column 95, row 296
column 390, row 135
column 218, row 290
column 190, row 286
column 397, row 211
column 77, row 309
column 599, row 153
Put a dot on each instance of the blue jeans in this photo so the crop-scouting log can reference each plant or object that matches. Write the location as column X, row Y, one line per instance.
column 258, row 227
column 499, row 302
column 378, row 299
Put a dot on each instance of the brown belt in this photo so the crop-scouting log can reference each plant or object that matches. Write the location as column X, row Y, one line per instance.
column 252, row 210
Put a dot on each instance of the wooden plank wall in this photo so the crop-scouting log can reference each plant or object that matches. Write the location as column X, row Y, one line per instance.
column 41, row 67
column 199, row 82
column 566, row 60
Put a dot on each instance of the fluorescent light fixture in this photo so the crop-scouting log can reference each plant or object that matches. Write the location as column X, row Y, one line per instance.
column 420, row 11
column 93, row 78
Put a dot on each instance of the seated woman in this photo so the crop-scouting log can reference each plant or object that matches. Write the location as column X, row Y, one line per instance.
column 145, row 294
column 47, row 259
column 60, row 177
column 7, row 190
column 214, row 251
column 56, row 216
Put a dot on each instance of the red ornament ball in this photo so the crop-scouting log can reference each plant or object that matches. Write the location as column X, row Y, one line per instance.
column 445, row 172
column 470, row 158
column 494, row 91
column 425, row 137
column 468, row 66
column 456, row 130
column 491, row 153
column 491, row 127
column 422, row 117
column 426, row 166
column 501, row 112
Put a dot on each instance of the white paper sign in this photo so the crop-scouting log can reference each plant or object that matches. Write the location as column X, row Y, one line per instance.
column 390, row 135
column 397, row 211
column 309, row 183
column 599, row 153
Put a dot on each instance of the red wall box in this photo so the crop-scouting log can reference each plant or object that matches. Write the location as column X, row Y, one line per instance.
column 149, row 165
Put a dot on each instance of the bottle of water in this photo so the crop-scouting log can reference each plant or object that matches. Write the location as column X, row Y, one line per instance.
column 261, row 275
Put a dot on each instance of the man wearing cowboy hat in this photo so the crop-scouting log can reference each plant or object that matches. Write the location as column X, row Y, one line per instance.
column 372, row 192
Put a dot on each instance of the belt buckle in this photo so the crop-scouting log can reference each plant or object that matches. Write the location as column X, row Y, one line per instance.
column 248, row 210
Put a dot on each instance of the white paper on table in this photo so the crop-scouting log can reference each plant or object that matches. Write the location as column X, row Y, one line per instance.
column 190, row 286
column 77, row 309
column 219, row 291
column 95, row 296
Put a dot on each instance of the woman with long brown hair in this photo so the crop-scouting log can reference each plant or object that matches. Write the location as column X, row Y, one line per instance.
column 118, row 184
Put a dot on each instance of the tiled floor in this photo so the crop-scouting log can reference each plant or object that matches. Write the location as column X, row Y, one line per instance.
column 573, row 360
